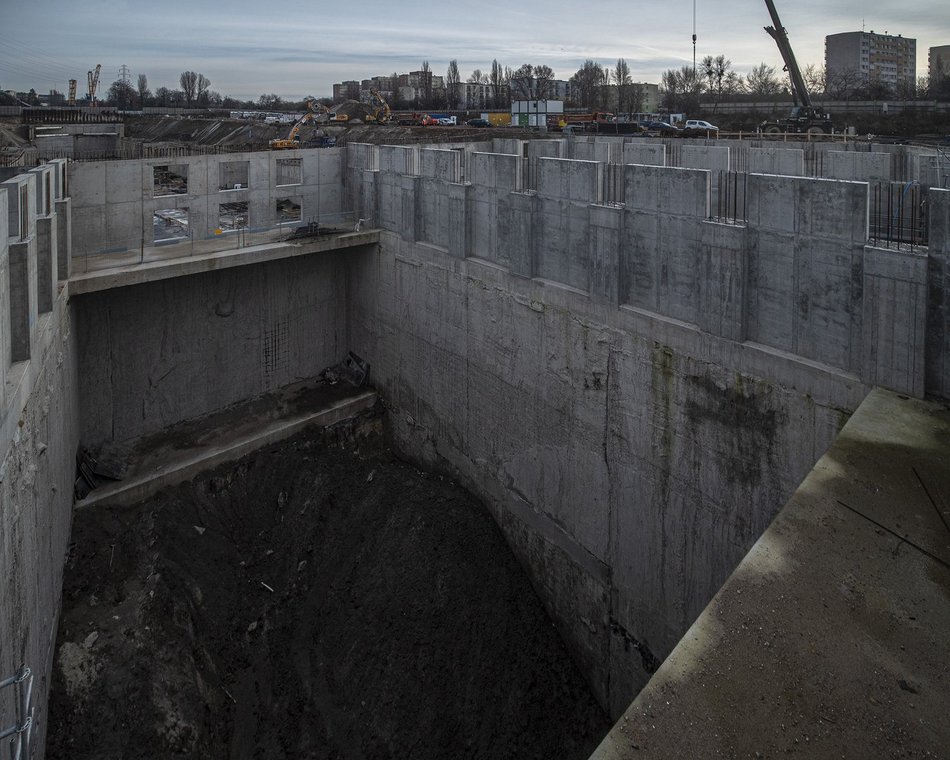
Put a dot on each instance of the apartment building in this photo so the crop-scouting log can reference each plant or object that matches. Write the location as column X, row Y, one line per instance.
column 872, row 59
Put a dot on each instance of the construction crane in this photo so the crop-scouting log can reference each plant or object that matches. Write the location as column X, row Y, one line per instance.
column 71, row 101
column 292, row 140
column 804, row 116
column 93, row 80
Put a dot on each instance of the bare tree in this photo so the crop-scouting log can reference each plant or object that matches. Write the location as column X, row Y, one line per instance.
column 842, row 84
column 715, row 70
column 426, row 85
column 477, row 77
column 189, row 85
column 621, row 75
column 453, row 88
column 814, row 77
column 144, row 92
column 761, row 81
column 201, row 89
column 586, row 83
column 681, row 88
column 543, row 82
column 121, row 94
column 522, row 82
column 497, row 81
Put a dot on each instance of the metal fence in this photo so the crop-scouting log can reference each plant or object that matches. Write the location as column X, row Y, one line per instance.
column 898, row 218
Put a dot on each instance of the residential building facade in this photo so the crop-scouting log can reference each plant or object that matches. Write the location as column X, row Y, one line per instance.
column 872, row 59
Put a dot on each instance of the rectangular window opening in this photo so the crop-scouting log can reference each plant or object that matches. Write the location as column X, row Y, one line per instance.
column 232, row 216
column 289, row 171
column 234, row 175
column 170, row 180
column 289, row 211
column 169, row 224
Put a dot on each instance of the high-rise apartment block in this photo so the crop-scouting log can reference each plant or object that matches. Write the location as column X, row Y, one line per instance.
column 876, row 59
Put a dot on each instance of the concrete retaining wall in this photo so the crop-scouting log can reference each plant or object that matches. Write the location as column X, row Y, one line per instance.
column 39, row 429
column 158, row 353
column 635, row 389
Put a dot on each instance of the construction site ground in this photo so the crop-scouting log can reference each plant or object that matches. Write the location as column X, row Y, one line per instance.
column 320, row 598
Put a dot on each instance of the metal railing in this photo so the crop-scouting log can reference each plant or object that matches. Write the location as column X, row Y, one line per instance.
column 174, row 237
column 898, row 218
column 21, row 731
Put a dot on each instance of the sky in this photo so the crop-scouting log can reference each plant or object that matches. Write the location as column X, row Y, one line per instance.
column 295, row 49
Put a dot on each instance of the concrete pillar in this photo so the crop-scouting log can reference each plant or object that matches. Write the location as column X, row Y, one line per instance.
column 46, row 278
column 64, row 238
column 23, row 299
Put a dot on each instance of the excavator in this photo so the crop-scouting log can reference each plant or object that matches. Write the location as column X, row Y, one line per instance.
column 292, row 140
column 382, row 113
column 804, row 116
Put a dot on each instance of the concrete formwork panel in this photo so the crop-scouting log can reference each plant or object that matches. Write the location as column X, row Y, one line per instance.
column 672, row 191
column 859, row 166
column 786, row 161
column 895, row 319
column 722, row 281
column 64, row 232
column 648, row 154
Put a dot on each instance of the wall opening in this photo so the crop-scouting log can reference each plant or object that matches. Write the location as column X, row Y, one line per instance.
column 289, row 171
column 170, row 180
column 232, row 216
column 234, row 175
column 288, row 210
column 169, row 224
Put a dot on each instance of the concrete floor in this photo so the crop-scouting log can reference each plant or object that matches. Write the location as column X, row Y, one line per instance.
column 831, row 637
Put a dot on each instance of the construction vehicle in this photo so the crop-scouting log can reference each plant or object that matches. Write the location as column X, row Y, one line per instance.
column 314, row 109
column 92, row 79
column 804, row 116
column 382, row 113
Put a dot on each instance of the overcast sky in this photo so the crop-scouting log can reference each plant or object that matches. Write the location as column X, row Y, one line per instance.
column 293, row 48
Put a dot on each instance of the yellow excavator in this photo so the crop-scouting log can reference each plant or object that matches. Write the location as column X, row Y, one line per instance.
column 292, row 140
column 382, row 113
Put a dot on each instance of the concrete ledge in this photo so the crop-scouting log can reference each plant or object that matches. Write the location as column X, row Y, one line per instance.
column 141, row 486
column 830, row 638
column 150, row 271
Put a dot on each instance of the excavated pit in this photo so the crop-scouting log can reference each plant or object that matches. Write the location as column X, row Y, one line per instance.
column 320, row 598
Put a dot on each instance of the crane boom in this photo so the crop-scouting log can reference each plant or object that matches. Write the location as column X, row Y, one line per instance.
column 778, row 33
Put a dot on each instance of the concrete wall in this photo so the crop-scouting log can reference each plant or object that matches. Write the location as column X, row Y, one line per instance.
column 158, row 353
column 635, row 390
column 116, row 200
column 39, row 431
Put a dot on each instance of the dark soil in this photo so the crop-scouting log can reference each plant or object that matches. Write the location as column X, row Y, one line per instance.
column 312, row 601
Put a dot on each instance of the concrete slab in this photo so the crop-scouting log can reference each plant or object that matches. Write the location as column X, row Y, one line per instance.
column 135, row 273
column 830, row 638
column 183, row 451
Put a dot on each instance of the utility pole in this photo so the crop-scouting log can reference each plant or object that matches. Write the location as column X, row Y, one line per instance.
column 694, row 38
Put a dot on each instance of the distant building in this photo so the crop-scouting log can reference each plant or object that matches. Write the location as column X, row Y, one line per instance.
column 872, row 59
column 938, row 60
column 346, row 91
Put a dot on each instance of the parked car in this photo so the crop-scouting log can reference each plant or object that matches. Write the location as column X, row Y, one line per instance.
column 700, row 128
column 478, row 123
column 661, row 128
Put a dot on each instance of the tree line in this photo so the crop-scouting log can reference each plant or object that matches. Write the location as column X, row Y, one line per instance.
column 593, row 86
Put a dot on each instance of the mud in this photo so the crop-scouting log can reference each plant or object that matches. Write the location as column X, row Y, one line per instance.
column 319, row 599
